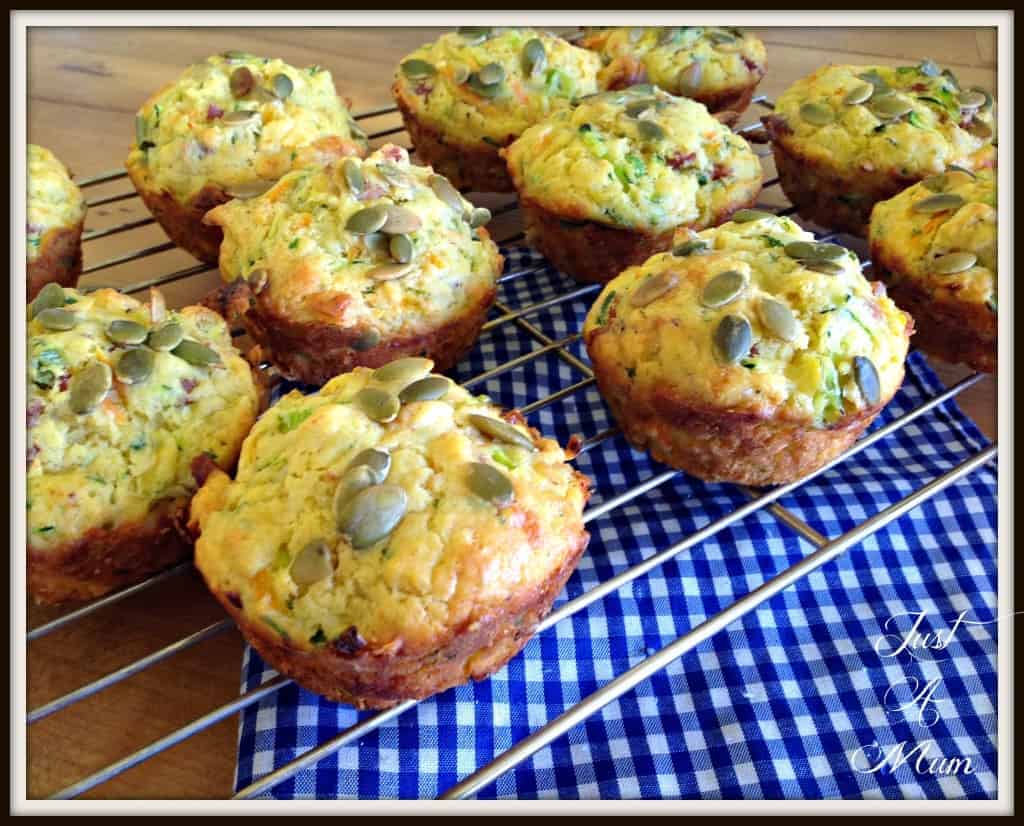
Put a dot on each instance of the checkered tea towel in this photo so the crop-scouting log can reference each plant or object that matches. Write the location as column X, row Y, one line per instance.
column 873, row 677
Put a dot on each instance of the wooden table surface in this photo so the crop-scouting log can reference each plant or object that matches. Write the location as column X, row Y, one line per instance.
column 84, row 88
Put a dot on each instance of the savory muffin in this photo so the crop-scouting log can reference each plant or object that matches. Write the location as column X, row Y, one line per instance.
column 391, row 535
column 123, row 400
column 55, row 215
column 604, row 186
column 846, row 137
column 748, row 354
column 228, row 128
column 358, row 262
column 469, row 93
column 935, row 245
column 720, row 67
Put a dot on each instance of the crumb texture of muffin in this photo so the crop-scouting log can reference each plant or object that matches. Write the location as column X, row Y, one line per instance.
column 846, row 137
column 720, row 67
column 750, row 354
column 229, row 127
column 55, row 211
column 391, row 535
column 115, row 420
column 471, row 92
column 638, row 162
column 935, row 245
column 360, row 261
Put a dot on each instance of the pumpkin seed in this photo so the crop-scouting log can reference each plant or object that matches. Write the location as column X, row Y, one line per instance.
column 390, row 272
column 979, row 129
column 500, row 430
column 929, row 69
column 890, row 106
column 196, row 354
column 377, row 404
column 57, row 319
column 402, row 371
column 534, row 57
column 733, row 338
column 312, row 564
column 135, row 365
column 957, row 168
column 490, row 484
column 377, row 461
column 353, row 480
column 778, row 319
column 50, row 296
column 652, row 288
column 720, row 38
column 745, row 216
column 241, row 82
column 240, row 116
column 283, row 86
column 954, row 262
column 826, row 267
column 876, row 80
column 650, row 131
column 424, row 390
column 689, row 247
column 723, row 288
column 813, row 251
column 88, row 386
column 859, row 94
column 366, row 340
column 235, row 54
column 460, row 73
column 939, row 203
column 971, row 99
column 400, row 220
column 988, row 98
column 476, row 34
column 443, row 189
column 638, row 107
column 123, row 331
column 401, row 248
column 252, row 189
column 393, row 174
column 372, row 514
column 935, row 183
column 416, row 68
column 353, row 172
column 818, row 114
column 689, row 78
column 483, row 89
column 491, row 73
column 367, row 220
column 866, row 376
column 166, row 337
column 479, row 216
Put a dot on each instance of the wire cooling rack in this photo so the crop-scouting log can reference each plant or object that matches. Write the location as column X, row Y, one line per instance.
column 825, row 549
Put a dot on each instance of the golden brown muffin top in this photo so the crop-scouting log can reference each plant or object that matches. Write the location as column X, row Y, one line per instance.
column 753, row 317
column 391, row 502
column 943, row 232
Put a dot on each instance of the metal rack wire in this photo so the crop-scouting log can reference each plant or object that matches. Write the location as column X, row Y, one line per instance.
column 824, row 548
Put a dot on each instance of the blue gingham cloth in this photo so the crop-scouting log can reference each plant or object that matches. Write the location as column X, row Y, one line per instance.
column 807, row 697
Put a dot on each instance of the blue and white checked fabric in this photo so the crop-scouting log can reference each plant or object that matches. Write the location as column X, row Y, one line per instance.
column 807, row 697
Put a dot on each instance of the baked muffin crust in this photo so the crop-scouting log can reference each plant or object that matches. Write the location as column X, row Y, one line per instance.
column 114, row 425
column 752, row 344
column 458, row 119
column 379, row 251
column 845, row 137
column 935, row 245
column 408, row 563
column 55, row 212
column 720, row 67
